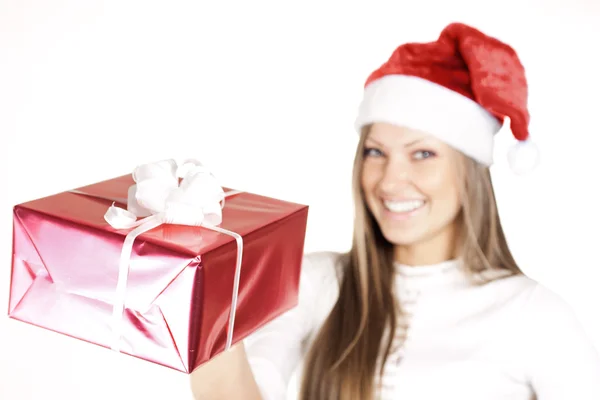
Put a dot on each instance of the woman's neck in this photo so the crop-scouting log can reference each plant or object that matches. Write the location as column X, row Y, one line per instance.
column 435, row 250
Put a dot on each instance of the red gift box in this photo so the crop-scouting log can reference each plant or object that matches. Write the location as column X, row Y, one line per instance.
column 180, row 281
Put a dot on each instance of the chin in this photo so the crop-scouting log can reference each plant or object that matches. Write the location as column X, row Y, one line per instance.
column 403, row 238
column 404, row 233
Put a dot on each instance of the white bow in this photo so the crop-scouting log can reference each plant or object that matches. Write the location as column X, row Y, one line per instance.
column 196, row 200
column 165, row 193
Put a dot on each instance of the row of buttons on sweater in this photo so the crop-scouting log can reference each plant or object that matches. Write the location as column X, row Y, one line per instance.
column 409, row 299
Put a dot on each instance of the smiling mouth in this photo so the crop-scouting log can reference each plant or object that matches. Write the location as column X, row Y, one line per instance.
column 403, row 207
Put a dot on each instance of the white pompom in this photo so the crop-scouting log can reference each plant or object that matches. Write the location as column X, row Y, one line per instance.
column 523, row 157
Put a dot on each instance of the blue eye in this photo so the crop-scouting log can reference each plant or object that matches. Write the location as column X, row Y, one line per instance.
column 372, row 152
column 423, row 154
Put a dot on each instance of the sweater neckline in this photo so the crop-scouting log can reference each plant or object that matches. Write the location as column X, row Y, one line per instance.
column 430, row 277
column 426, row 270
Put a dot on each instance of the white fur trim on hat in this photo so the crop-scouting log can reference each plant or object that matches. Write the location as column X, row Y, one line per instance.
column 420, row 104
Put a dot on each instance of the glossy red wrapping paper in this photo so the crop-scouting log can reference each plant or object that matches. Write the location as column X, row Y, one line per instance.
column 179, row 290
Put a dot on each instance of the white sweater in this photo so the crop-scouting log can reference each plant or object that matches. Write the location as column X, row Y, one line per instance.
column 509, row 339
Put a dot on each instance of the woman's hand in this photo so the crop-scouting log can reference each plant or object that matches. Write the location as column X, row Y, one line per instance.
column 225, row 377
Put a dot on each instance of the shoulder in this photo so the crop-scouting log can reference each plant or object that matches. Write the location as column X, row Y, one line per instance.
column 538, row 299
column 546, row 317
column 549, row 315
column 322, row 274
column 522, row 289
column 323, row 266
column 533, row 297
column 320, row 283
column 533, row 306
column 558, row 354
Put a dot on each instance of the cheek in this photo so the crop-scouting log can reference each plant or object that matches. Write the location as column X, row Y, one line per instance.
column 369, row 178
column 441, row 188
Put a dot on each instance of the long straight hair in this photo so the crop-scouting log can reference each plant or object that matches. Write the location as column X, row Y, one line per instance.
column 349, row 351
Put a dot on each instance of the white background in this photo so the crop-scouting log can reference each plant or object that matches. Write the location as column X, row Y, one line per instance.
column 265, row 94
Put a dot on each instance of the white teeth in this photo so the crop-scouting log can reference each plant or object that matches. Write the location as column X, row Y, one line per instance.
column 403, row 206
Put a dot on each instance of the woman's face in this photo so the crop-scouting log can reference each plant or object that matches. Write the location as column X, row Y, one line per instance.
column 410, row 183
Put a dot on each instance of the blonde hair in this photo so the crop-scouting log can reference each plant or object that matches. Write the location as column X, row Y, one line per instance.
column 345, row 358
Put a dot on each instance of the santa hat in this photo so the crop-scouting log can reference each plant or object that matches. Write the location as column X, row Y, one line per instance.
column 460, row 89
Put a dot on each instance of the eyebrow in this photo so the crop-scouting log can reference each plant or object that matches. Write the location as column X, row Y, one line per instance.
column 406, row 145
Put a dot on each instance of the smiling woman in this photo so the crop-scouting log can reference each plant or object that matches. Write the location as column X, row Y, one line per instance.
column 429, row 302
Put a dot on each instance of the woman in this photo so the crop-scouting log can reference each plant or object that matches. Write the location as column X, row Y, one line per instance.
column 429, row 303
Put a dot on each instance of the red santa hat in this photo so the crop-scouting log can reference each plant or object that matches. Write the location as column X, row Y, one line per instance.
column 460, row 89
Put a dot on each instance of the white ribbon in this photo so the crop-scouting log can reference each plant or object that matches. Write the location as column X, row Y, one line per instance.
column 165, row 193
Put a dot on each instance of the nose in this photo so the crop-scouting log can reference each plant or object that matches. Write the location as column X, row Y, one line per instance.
column 395, row 174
